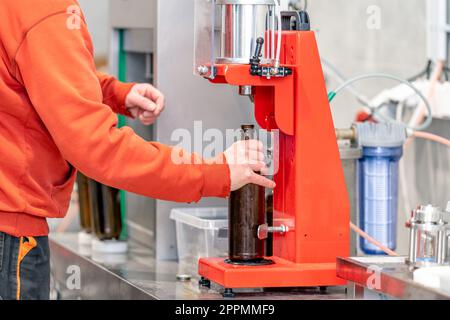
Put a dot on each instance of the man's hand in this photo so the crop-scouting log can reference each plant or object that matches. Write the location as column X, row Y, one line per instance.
column 245, row 158
column 145, row 103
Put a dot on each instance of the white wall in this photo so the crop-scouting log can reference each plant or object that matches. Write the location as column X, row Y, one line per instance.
column 96, row 12
column 397, row 47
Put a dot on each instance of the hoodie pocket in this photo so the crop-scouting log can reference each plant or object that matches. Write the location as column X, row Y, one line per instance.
column 61, row 194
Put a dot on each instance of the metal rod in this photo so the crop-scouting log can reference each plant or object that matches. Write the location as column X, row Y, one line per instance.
column 413, row 246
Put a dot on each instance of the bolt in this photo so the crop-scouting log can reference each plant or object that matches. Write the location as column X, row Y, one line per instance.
column 274, row 71
column 203, row 70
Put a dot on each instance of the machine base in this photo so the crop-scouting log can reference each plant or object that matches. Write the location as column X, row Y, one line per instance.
column 281, row 274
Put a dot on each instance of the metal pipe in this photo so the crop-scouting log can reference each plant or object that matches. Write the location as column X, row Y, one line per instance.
column 412, row 249
column 346, row 134
column 246, row 91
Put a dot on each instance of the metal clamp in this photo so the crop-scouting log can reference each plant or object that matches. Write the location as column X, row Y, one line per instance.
column 264, row 230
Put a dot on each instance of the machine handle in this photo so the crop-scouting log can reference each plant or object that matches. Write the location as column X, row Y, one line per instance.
column 256, row 59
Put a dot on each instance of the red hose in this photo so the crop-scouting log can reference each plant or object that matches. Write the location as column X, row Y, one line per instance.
column 372, row 240
column 432, row 137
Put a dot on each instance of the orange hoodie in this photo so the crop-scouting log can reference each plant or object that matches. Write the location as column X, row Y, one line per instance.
column 57, row 114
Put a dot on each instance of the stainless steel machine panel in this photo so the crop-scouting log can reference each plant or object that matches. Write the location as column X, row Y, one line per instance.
column 129, row 14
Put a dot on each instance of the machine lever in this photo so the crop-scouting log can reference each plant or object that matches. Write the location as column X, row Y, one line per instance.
column 256, row 59
column 264, row 230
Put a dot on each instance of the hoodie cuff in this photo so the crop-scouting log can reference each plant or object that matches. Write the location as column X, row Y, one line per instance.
column 122, row 91
column 216, row 178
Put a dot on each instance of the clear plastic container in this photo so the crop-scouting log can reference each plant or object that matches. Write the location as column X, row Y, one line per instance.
column 378, row 174
column 201, row 233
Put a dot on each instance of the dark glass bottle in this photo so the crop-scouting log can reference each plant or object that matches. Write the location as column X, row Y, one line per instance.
column 246, row 214
column 84, row 202
column 106, row 213
column 269, row 219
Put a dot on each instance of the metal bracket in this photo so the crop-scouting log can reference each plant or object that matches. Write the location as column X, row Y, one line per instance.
column 269, row 72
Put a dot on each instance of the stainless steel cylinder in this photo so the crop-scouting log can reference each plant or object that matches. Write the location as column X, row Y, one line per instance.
column 246, row 91
column 429, row 237
column 243, row 21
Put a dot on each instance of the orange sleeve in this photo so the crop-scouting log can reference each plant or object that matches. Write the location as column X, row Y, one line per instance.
column 56, row 67
column 114, row 93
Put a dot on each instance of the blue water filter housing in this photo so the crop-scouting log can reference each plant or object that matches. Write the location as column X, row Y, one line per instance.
column 378, row 183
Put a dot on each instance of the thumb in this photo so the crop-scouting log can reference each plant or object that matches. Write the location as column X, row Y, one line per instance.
column 262, row 181
column 137, row 100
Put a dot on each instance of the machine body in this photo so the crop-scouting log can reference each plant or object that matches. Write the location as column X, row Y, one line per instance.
column 310, row 203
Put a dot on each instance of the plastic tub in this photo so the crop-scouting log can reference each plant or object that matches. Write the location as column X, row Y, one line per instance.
column 434, row 277
column 201, row 233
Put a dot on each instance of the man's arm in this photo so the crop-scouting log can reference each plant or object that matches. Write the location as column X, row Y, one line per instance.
column 140, row 101
column 57, row 69
column 114, row 93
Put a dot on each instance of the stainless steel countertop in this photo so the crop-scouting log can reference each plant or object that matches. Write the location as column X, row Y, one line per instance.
column 138, row 275
column 387, row 275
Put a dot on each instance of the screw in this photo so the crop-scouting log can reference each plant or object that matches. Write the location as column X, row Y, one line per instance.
column 228, row 293
column 203, row 70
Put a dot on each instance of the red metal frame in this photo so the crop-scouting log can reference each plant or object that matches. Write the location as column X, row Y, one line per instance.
column 311, row 195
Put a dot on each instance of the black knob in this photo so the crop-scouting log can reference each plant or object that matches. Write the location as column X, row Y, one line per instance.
column 259, row 46
column 255, row 60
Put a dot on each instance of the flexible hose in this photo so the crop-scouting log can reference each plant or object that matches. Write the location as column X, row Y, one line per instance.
column 420, row 112
column 342, row 78
column 416, row 118
column 432, row 137
column 272, row 40
column 375, row 110
column 376, row 243
column 277, row 59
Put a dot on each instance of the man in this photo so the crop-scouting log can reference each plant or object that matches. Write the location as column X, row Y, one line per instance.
column 57, row 116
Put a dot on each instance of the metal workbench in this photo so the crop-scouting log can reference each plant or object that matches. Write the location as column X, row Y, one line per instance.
column 138, row 275
column 384, row 277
